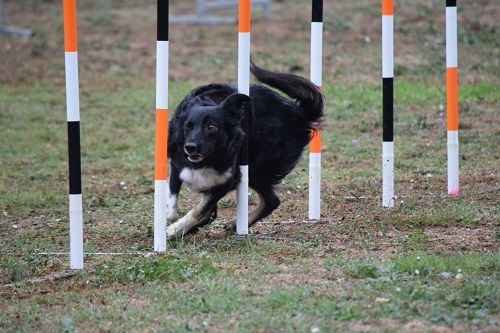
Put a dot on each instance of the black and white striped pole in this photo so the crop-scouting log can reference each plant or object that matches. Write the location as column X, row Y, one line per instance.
column 73, row 118
column 388, row 103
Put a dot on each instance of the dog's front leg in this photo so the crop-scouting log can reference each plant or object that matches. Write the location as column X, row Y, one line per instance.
column 188, row 222
column 199, row 215
column 174, row 187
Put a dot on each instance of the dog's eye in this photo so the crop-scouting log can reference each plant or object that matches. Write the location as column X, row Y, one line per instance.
column 211, row 128
column 188, row 125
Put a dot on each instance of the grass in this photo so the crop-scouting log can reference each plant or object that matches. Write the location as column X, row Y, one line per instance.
column 224, row 300
column 481, row 264
column 216, row 282
column 415, row 240
column 170, row 269
column 439, row 215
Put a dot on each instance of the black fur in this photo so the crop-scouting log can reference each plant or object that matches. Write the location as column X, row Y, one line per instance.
column 280, row 128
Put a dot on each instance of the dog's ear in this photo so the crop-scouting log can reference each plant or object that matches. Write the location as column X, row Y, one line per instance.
column 196, row 100
column 236, row 105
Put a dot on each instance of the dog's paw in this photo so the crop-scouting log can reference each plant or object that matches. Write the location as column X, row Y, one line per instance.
column 171, row 232
column 172, row 216
column 180, row 227
column 175, row 230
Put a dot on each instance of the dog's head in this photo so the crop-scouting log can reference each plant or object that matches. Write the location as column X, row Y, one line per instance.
column 210, row 127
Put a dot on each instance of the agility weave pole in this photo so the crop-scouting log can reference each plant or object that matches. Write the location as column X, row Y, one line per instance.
column 388, row 103
column 161, row 131
column 316, row 78
column 73, row 118
column 243, row 88
column 452, row 96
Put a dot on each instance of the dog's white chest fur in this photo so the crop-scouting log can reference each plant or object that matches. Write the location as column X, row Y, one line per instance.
column 203, row 179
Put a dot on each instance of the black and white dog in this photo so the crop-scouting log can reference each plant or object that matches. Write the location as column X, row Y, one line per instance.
column 206, row 133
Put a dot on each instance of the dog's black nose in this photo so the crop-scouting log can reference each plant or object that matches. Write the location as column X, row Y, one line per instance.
column 191, row 148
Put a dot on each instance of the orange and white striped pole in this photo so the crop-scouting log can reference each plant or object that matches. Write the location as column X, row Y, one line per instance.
column 388, row 103
column 161, row 137
column 243, row 88
column 73, row 118
column 452, row 96
column 316, row 78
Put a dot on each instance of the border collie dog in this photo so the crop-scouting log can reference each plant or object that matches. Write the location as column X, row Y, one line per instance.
column 206, row 133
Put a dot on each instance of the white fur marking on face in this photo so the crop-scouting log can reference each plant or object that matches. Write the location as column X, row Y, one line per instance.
column 171, row 206
column 204, row 179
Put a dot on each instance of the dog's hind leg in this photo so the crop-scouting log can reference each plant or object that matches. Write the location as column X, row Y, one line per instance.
column 174, row 187
column 268, row 202
column 200, row 215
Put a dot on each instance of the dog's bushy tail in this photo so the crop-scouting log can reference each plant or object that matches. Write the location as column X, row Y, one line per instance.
column 308, row 96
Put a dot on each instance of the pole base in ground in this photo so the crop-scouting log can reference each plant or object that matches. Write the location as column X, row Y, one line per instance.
column 242, row 209
column 76, row 231
column 314, row 186
column 388, row 174
column 453, row 161
column 160, row 216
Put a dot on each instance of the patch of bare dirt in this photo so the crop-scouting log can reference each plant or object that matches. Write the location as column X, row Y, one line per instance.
column 413, row 326
column 458, row 239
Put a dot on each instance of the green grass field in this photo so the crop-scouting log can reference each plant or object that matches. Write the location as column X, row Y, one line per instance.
column 431, row 264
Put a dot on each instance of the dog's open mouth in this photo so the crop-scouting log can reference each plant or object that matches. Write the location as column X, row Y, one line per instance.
column 195, row 158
